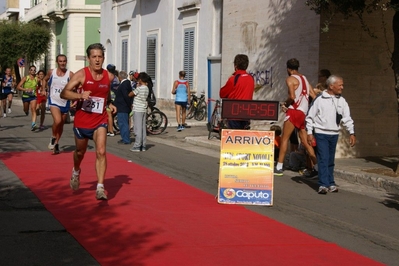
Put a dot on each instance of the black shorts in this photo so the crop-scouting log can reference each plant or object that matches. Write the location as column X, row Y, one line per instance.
column 86, row 133
column 4, row 95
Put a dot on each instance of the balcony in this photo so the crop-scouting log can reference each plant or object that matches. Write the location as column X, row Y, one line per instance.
column 56, row 8
column 37, row 13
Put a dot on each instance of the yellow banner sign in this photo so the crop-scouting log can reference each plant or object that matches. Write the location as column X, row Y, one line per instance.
column 246, row 167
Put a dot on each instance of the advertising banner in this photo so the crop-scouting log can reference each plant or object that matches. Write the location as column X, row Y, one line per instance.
column 246, row 167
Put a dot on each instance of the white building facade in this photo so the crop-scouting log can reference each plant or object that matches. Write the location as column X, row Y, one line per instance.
column 164, row 37
column 74, row 24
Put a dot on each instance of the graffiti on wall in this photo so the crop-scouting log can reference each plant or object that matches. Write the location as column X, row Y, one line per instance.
column 262, row 77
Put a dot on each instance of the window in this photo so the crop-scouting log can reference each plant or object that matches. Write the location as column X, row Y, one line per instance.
column 59, row 48
column 188, row 59
column 124, row 56
column 151, row 56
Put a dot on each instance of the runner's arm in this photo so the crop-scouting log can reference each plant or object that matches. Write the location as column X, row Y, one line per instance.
column 292, row 84
column 20, row 84
column 46, row 79
column 174, row 87
column 68, row 92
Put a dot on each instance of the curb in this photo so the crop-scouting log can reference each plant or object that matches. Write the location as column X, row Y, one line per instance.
column 371, row 180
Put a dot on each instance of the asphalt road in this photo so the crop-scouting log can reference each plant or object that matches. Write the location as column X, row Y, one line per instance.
column 355, row 218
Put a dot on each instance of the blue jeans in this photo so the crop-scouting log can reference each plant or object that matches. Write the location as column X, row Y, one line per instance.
column 326, row 146
column 123, row 122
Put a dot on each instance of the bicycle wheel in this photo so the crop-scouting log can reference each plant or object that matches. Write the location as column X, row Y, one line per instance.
column 156, row 122
column 211, row 125
column 191, row 112
column 116, row 126
column 200, row 114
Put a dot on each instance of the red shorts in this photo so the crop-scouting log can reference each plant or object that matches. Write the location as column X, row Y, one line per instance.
column 296, row 117
column 41, row 99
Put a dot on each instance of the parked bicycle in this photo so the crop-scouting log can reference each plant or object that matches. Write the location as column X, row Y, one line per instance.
column 197, row 107
column 157, row 121
column 216, row 124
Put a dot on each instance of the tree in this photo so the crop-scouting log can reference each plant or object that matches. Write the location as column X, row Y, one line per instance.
column 22, row 40
column 358, row 8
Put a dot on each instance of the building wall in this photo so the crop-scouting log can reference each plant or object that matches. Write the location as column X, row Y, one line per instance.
column 92, row 24
column 269, row 34
column 365, row 64
column 136, row 20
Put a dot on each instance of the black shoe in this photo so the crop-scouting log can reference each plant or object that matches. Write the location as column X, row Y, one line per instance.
column 122, row 142
column 56, row 149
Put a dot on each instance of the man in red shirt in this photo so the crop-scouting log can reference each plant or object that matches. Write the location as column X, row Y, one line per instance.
column 91, row 116
column 240, row 86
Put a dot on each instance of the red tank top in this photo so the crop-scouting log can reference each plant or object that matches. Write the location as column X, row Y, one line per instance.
column 100, row 89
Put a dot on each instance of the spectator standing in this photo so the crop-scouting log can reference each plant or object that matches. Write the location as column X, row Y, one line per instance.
column 296, row 107
column 56, row 79
column 91, row 119
column 114, row 87
column 28, row 86
column 240, row 86
column 8, row 84
column 140, row 112
column 123, row 103
column 324, row 119
column 181, row 88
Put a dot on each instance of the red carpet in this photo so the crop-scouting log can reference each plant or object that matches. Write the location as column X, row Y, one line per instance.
column 152, row 219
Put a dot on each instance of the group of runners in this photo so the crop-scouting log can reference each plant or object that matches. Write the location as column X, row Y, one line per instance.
column 88, row 89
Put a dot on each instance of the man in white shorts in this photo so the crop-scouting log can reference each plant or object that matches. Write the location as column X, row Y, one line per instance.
column 57, row 79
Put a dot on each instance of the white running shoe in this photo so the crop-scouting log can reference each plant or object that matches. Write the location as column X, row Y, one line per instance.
column 100, row 194
column 75, row 182
column 51, row 144
column 9, row 110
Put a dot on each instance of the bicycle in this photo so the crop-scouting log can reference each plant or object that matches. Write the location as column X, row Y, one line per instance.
column 156, row 122
column 197, row 107
column 216, row 124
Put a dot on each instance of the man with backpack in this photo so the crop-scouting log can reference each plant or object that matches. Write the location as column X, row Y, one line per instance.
column 240, row 86
column 296, row 106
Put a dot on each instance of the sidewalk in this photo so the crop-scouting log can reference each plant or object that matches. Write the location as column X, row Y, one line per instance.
column 376, row 172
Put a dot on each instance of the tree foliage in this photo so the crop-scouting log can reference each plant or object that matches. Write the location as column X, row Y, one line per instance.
column 350, row 8
column 19, row 39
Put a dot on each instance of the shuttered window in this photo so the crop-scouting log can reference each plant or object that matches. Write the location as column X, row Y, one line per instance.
column 124, row 55
column 188, row 60
column 151, row 56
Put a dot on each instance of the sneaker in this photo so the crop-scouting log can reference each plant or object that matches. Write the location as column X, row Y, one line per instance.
column 51, row 144
column 9, row 110
column 75, row 182
column 182, row 127
column 278, row 172
column 111, row 134
column 332, row 189
column 26, row 113
column 311, row 174
column 56, row 149
column 41, row 127
column 33, row 127
column 143, row 148
column 179, row 128
column 322, row 190
column 134, row 149
column 4, row 115
column 100, row 194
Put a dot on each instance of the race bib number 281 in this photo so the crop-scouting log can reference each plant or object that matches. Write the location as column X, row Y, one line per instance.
column 94, row 105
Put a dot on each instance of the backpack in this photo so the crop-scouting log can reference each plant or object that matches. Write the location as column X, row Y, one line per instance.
column 151, row 99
